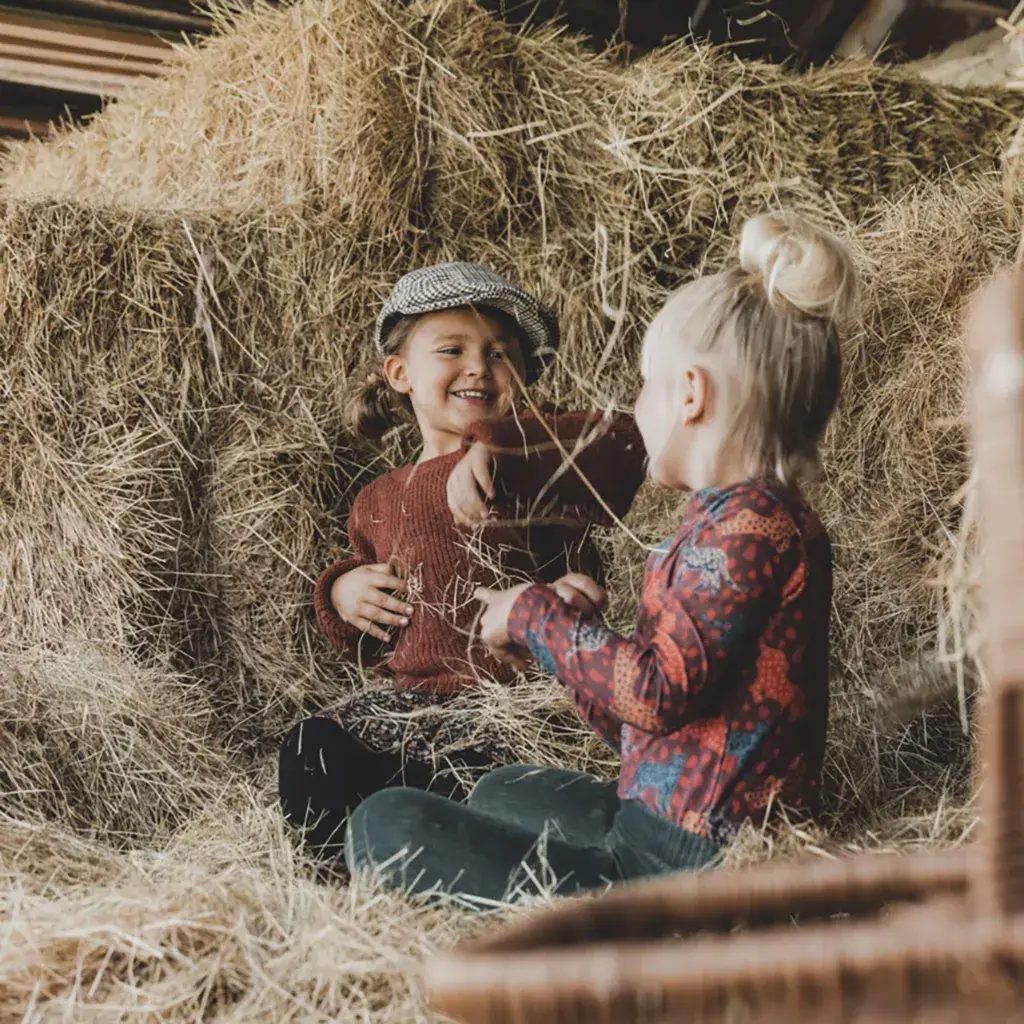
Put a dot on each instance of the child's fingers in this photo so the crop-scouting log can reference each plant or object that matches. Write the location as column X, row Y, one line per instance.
column 468, row 485
column 595, row 593
column 374, row 613
column 574, row 598
column 586, row 596
column 469, row 505
column 384, row 577
column 364, row 625
column 465, row 517
column 381, row 599
column 512, row 654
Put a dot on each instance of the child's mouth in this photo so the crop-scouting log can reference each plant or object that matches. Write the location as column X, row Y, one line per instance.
column 475, row 397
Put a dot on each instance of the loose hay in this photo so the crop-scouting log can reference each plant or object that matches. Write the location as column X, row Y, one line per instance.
column 229, row 929
column 186, row 286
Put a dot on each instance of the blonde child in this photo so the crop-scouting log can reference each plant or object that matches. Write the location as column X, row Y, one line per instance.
column 718, row 701
column 487, row 496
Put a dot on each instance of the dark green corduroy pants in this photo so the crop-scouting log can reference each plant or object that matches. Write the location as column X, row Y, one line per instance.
column 523, row 831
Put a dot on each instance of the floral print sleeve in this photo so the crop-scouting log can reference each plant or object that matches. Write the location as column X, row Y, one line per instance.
column 605, row 725
column 711, row 605
column 719, row 698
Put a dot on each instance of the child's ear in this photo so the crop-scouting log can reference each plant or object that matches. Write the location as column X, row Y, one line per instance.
column 696, row 394
column 395, row 375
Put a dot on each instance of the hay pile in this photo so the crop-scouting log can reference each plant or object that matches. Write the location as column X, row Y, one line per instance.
column 186, row 286
column 438, row 120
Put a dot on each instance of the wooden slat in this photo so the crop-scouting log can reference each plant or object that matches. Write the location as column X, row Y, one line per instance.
column 973, row 7
column 135, row 13
column 868, row 33
column 995, row 340
column 82, row 36
column 24, row 126
column 91, row 83
column 63, row 57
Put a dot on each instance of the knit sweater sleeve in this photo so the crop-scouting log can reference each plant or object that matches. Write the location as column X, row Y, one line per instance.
column 347, row 639
column 596, row 479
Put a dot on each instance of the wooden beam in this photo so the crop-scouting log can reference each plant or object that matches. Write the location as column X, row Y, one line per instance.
column 90, row 83
column 137, row 14
column 866, row 36
column 82, row 35
column 62, row 57
column 24, row 127
column 975, row 7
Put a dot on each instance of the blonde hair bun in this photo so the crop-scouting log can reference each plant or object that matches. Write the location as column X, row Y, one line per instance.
column 799, row 264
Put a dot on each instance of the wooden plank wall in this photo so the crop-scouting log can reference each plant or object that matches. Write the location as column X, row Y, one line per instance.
column 90, row 58
column 62, row 59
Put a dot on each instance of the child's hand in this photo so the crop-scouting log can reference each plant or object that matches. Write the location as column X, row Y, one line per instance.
column 581, row 592
column 469, row 484
column 494, row 623
column 360, row 596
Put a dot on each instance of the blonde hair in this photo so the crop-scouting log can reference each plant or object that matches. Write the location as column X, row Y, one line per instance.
column 775, row 319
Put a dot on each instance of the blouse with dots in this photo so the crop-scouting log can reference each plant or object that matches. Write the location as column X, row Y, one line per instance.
column 718, row 702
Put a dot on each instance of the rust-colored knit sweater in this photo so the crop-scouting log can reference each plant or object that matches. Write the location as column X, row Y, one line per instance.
column 543, row 513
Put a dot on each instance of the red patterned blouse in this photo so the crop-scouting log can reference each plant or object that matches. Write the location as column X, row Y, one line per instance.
column 718, row 702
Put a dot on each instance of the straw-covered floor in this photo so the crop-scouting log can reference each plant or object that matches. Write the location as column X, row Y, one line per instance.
column 186, row 286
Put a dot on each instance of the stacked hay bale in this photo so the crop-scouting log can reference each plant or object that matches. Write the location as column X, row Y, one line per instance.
column 187, row 285
column 895, row 480
column 97, row 499
column 188, row 370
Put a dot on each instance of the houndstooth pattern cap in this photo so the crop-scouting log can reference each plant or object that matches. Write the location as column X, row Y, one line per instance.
column 448, row 285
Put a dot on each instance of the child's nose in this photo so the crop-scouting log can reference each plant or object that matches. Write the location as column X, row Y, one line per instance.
column 476, row 365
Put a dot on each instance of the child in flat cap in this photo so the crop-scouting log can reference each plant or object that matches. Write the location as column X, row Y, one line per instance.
column 454, row 342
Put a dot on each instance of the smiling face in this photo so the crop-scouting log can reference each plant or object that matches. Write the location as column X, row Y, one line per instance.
column 455, row 367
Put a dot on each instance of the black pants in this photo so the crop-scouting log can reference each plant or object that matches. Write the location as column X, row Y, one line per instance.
column 325, row 771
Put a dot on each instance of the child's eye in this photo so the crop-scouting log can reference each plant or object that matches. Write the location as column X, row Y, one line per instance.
column 498, row 354
column 450, row 350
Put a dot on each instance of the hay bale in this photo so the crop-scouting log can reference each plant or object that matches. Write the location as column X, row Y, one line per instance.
column 97, row 479
column 436, row 117
column 97, row 746
column 275, row 484
column 128, row 451
column 896, row 469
